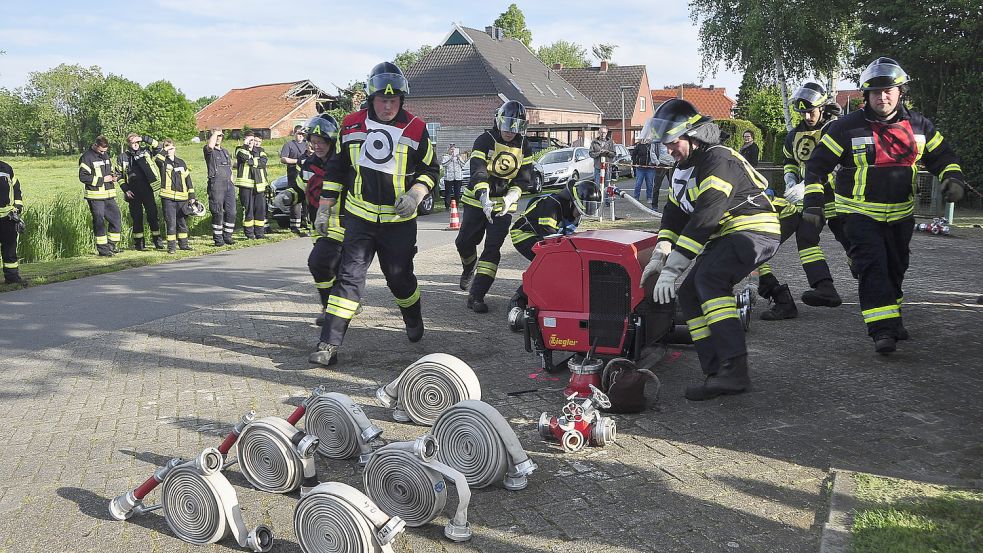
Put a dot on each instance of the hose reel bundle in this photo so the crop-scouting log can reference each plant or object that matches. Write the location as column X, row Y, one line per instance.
column 405, row 479
column 335, row 517
column 341, row 427
column 428, row 387
column 475, row 439
column 275, row 456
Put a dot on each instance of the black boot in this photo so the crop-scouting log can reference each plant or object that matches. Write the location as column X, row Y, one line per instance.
column 227, row 238
column 12, row 276
column 823, row 295
column 783, row 306
column 767, row 284
column 731, row 379
column 217, row 240
column 158, row 242
column 171, row 246
column 885, row 343
column 325, row 354
column 476, row 305
column 105, row 250
column 183, row 244
column 467, row 274
column 413, row 318
column 139, row 245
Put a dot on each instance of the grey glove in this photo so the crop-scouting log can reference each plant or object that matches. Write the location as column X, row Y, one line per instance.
column 487, row 205
column 283, row 200
column 790, row 180
column 952, row 189
column 814, row 216
column 795, row 193
column 665, row 287
column 656, row 262
column 18, row 222
column 322, row 222
column 408, row 201
column 510, row 198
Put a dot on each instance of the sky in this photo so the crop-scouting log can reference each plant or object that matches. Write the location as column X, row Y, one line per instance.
column 207, row 47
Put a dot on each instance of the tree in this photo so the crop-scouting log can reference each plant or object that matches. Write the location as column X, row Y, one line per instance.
column 603, row 51
column 749, row 85
column 407, row 58
column 513, row 22
column 168, row 112
column 64, row 100
column 119, row 108
column 570, row 54
column 18, row 124
column 200, row 103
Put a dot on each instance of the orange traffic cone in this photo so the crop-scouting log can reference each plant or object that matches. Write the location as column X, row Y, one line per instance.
column 455, row 217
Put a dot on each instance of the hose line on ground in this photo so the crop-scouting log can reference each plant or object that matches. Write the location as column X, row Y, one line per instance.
column 341, row 427
column 428, row 387
column 336, row 518
column 275, row 456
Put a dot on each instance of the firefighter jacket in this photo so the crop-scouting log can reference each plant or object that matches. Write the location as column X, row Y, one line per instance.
column 545, row 215
column 799, row 144
column 93, row 170
column 877, row 161
column 137, row 170
column 10, row 196
column 259, row 170
column 245, row 163
column 219, row 165
column 175, row 178
column 312, row 173
column 714, row 193
column 385, row 160
column 498, row 167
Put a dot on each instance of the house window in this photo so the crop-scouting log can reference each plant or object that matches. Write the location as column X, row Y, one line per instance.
column 432, row 130
column 541, row 93
column 516, row 85
column 548, row 87
column 641, row 103
column 570, row 94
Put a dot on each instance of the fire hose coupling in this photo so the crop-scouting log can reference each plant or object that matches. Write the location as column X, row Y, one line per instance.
column 429, row 386
column 337, row 517
column 131, row 503
column 580, row 424
column 302, row 408
column 342, row 428
column 230, row 440
column 475, row 439
column 275, row 456
column 200, row 505
column 405, row 479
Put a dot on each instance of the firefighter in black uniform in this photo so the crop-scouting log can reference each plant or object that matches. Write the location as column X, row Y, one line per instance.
column 245, row 181
column 877, row 149
column 389, row 158
column 11, row 206
column 262, row 186
column 555, row 214
column 221, row 190
column 96, row 173
column 501, row 167
column 176, row 190
column 137, row 173
column 719, row 215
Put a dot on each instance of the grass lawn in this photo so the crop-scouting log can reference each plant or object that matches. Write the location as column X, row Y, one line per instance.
column 901, row 516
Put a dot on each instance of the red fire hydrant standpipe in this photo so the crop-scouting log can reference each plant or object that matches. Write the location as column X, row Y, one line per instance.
column 580, row 424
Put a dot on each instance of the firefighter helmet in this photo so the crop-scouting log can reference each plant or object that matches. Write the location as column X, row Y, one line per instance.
column 511, row 117
column 585, row 195
column 808, row 97
column 323, row 125
column 387, row 79
column 193, row 208
column 883, row 73
column 673, row 119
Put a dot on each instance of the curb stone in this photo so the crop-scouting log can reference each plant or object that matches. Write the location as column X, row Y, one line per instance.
column 842, row 501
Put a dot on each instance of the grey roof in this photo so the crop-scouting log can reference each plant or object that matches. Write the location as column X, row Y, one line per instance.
column 472, row 63
column 604, row 87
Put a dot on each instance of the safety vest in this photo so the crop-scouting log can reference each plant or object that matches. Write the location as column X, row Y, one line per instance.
column 175, row 178
column 245, row 162
column 10, row 194
column 497, row 167
column 93, row 170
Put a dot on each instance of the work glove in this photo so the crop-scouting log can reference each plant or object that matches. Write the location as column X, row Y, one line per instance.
column 15, row 217
column 790, row 180
column 322, row 222
column 510, row 198
column 408, row 201
column 665, row 287
column 658, row 259
column 952, row 189
column 283, row 200
column 814, row 216
column 147, row 139
column 795, row 193
column 487, row 205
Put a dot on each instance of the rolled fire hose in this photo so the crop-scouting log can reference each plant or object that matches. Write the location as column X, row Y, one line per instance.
column 428, row 387
column 475, row 439
column 341, row 427
column 200, row 505
column 404, row 479
column 334, row 518
column 275, row 456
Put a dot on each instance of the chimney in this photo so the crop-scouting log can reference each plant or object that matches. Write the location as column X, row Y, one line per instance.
column 557, row 66
column 490, row 31
column 604, row 65
column 496, row 33
column 711, row 87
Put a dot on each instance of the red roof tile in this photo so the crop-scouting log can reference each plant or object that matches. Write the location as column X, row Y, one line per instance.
column 708, row 101
column 259, row 107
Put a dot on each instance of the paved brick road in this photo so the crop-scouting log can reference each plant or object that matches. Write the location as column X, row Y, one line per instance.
column 88, row 419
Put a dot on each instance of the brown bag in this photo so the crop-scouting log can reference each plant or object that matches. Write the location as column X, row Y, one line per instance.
column 624, row 383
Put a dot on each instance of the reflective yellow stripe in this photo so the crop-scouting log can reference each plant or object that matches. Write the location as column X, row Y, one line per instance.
column 682, row 125
column 487, row 268
column 688, row 243
column 698, row 328
column 950, row 167
column 811, row 255
column 716, row 183
column 828, row 141
column 407, row 302
column 324, row 285
column 860, row 174
column 880, row 212
column 428, row 155
column 519, row 236
column 469, row 260
column 115, row 236
column 815, row 188
column 425, row 179
column 479, row 154
column 399, row 178
column 881, row 313
column 171, row 237
column 761, row 222
column 341, row 307
column 666, row 234
column 182, row 235
column 764, row 269
column 548, row 222
column 934, row 142
column 138, row 235
column 100, row 240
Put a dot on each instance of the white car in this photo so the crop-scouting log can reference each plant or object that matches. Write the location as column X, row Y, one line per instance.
column 560, row 166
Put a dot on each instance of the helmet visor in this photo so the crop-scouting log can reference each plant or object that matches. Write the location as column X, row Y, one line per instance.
column 586, row 198
column 882, row 75
column 806, row 99
column 322, row 127
column 389, row 84
column 512, row 124
column 666, row 130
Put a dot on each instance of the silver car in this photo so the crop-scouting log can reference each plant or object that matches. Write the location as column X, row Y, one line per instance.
column 565, row 164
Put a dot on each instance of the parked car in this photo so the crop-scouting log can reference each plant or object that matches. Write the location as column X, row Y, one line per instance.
column 621, row 165
column 539, row 143
column 282, row 218
column 560, row 166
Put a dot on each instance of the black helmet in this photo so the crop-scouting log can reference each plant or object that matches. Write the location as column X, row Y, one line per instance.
column 387, row 79
column 585, row 195
column 323, row 125
column 808, row 97
column 673, row 119
column 883, row 73
column 511, row 117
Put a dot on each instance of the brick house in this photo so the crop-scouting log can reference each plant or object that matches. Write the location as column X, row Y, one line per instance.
column 270, row 110
column 604, row 86
column 459, row 85
column 710, row 100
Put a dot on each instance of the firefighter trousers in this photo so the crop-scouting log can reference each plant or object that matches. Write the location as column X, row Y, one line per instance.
column 474, row 227
column 175, row 221
column 8, row 250
column 706, row 295
column 253, row 212
column 143, row 201
column 395, row 243
column 879, row 253
column 222, row 204
column 105, row 213
column 323, row 263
